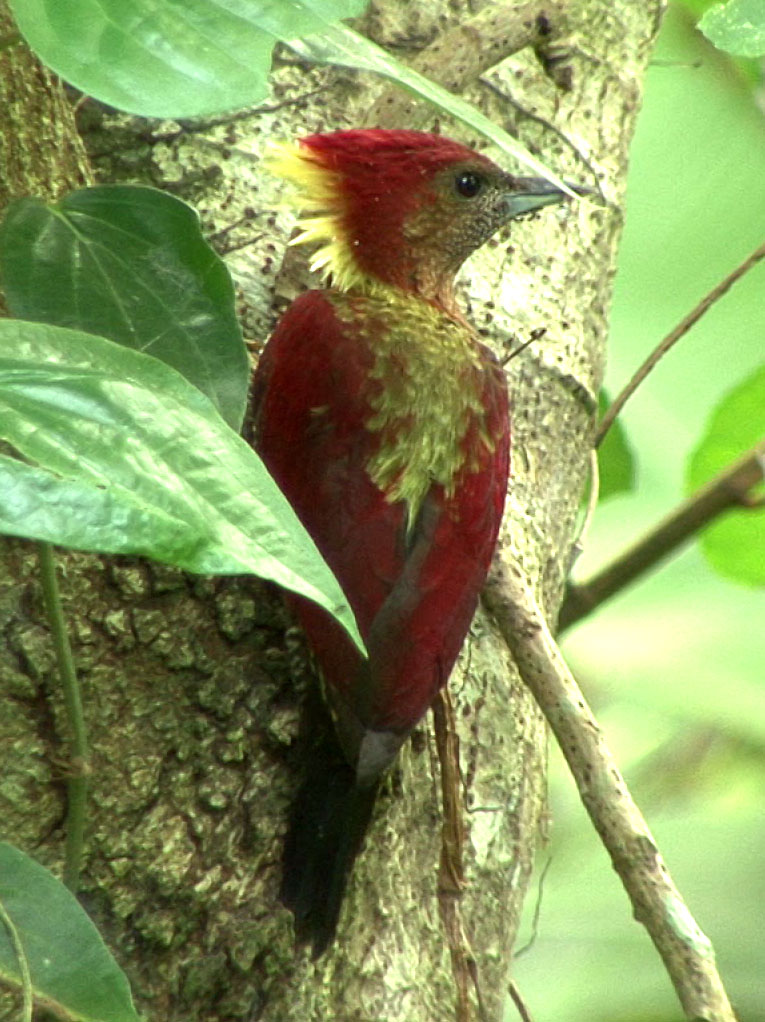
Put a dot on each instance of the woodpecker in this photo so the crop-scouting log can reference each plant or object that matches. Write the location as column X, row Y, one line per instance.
column 384, row 421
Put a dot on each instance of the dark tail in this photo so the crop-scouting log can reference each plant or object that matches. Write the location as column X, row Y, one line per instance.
column 328, row 821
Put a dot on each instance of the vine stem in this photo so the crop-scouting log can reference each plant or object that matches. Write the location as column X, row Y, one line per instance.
column 79, row 768
column 673, row 337
column 21, row 957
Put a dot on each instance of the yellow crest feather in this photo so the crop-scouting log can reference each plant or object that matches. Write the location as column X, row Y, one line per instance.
column 318, row 192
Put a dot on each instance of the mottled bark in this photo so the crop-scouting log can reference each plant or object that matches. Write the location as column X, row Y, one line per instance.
column 193, row 687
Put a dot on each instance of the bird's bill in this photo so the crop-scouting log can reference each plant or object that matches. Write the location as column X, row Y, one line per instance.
column 528, row 194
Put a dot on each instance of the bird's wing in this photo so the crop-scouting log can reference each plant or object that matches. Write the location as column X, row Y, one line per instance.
column 413, row 587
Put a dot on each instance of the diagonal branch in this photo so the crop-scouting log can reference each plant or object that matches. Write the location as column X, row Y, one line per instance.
column 686, row 952
column 731, row 488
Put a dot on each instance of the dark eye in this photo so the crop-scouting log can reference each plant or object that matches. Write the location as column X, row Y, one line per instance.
column 468, row 184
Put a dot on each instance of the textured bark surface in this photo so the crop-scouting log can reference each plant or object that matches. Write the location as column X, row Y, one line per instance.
column 192, row 687
column 40, row 150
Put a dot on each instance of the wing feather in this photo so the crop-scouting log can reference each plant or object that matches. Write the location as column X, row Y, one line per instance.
column 414, row 589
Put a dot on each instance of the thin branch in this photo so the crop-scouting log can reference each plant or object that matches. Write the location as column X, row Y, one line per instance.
column 537, row 913
column 731, row 488
column 686, row 952
column 79, row 768
column 673, row 337
column 589, row 512
column 520, row 1004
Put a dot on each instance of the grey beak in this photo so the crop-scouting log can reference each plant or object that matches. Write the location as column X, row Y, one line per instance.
column 528, row 194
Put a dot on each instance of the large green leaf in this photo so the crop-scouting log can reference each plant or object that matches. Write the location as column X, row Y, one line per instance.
column 735, row 544
column 185, row 58
column 169, row 58
column 44, row 928
column 130, row 458
column 129, row 263
column 737, row 26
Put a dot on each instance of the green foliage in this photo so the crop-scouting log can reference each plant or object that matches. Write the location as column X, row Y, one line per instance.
column 737, row 26
column 144, row 58
column 129, row 263
column 128, row 457
column 616, row 460
column 47, row 940
column 162, row 58
column 107, row 432
column 735, row 543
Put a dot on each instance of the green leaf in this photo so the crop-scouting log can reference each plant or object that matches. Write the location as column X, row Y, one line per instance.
column 71, row 970
column 185, row 58
column 129, row 263
column 737, row 27
column 616, row 461
column 169, row 58
column 130, row 458
column 735, row 543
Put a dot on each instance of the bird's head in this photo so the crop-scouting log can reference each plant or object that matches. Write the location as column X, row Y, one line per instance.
column 401, row 208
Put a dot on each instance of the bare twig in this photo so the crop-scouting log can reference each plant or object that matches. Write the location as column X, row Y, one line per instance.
column 537, row 913
column 518, row 1001
column 673, row 337
column 79, row 768
column 731, row 488
column 25, row 978
column 687, row 953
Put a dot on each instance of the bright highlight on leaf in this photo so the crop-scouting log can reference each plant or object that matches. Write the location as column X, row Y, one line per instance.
column 169, row 58
column 735, row 543
column 738, row 27
column 123, row 455
column 129, row 263
column 69, row 966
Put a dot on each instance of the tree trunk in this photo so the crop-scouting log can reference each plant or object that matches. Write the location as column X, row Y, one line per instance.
column 193, row 686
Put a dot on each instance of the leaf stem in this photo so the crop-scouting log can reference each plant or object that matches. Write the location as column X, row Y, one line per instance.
column 730, row 488
column 21, row 958
column 79, row 768
column 673, row 337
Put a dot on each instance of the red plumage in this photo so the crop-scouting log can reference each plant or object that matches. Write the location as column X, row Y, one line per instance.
column 384, row 421
column 413, row 590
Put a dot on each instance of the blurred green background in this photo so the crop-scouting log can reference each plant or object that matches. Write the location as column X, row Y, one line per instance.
column 675, row 667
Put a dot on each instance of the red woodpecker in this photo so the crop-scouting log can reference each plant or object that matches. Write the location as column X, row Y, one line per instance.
column 384, row 421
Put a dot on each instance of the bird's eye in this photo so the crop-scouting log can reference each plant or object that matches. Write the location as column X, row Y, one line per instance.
column 468, row 184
